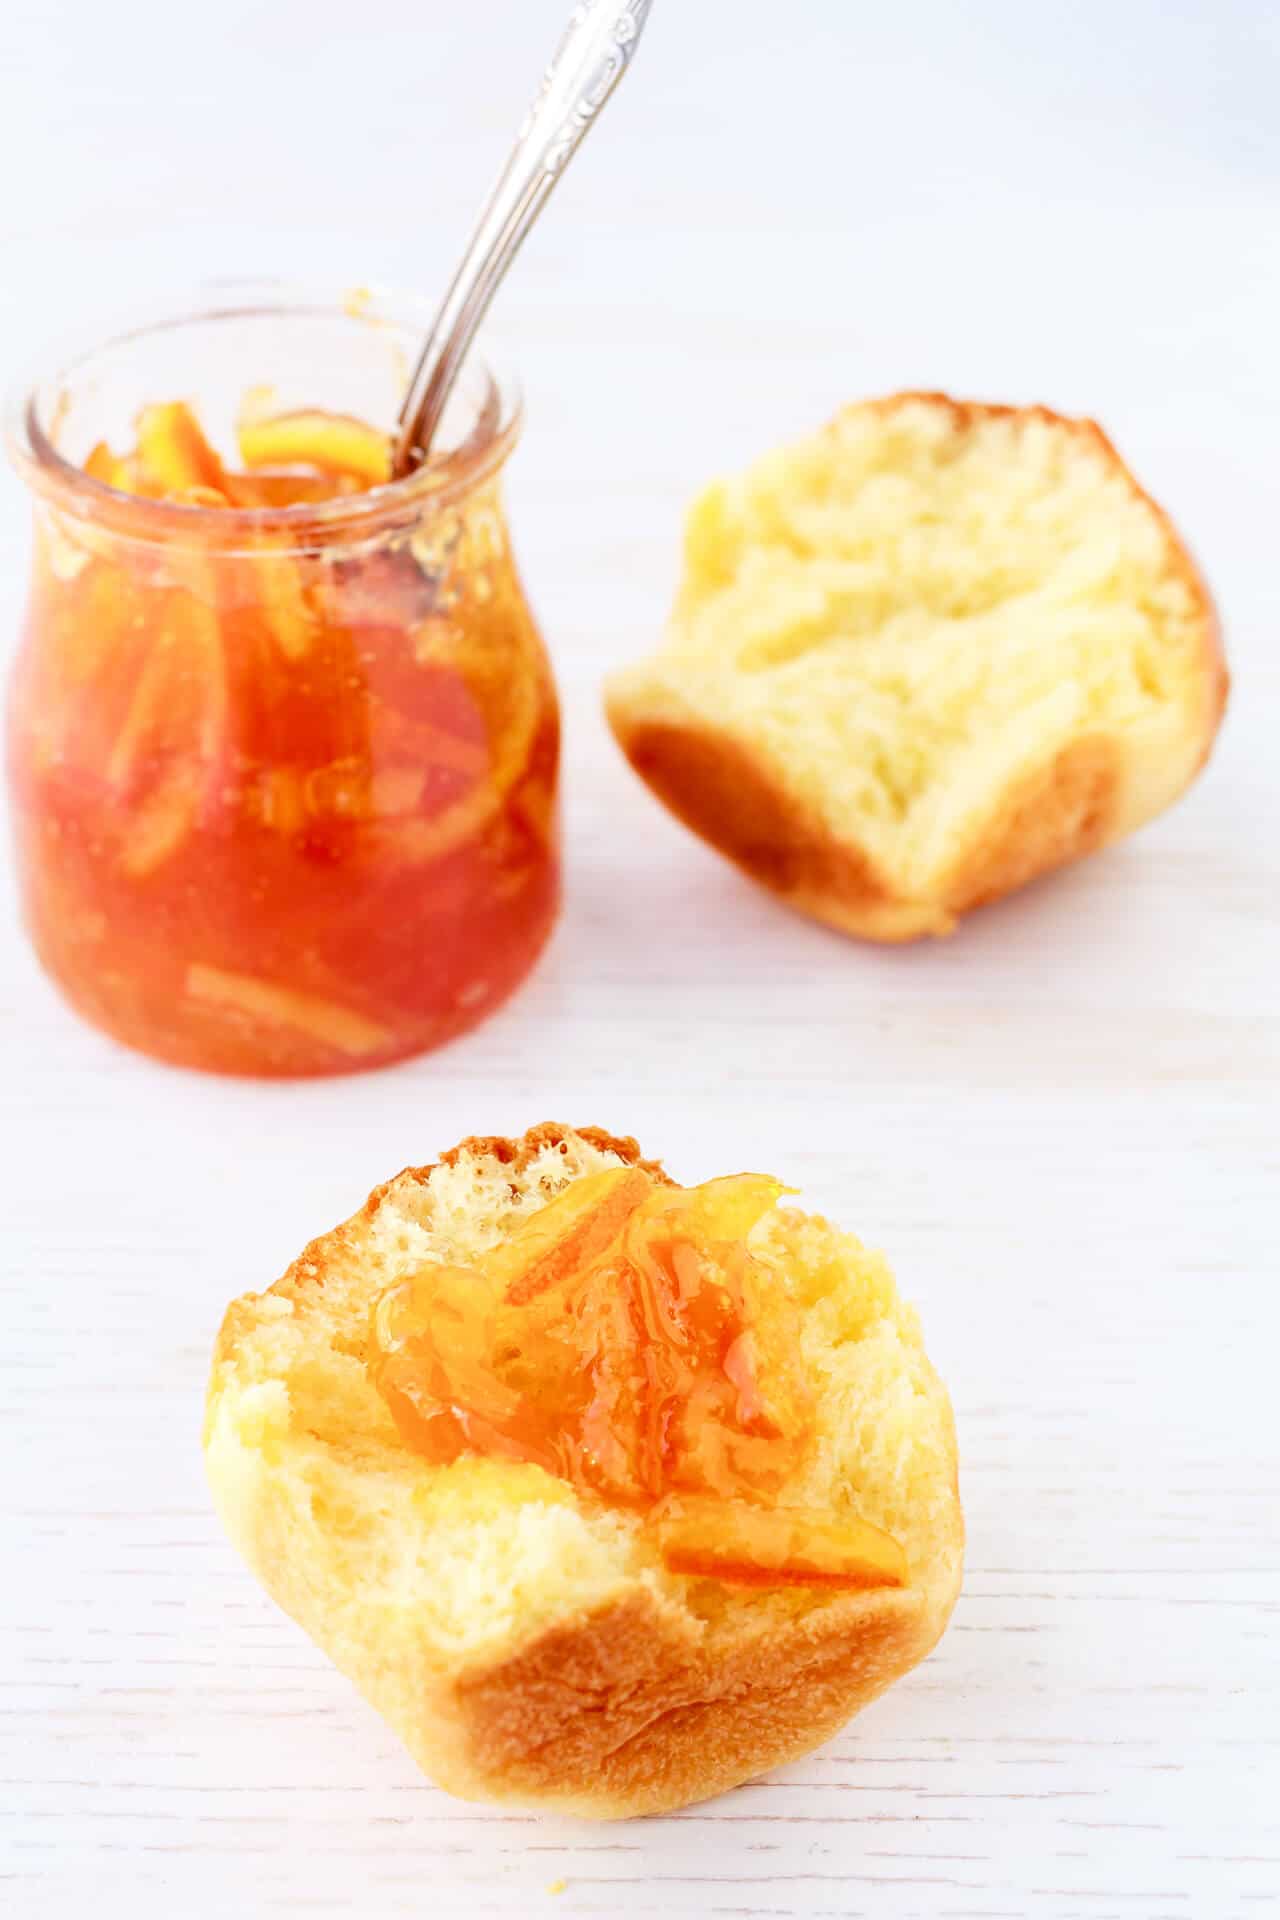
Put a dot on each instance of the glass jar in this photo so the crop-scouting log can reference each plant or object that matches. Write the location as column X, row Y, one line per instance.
column 283, row 780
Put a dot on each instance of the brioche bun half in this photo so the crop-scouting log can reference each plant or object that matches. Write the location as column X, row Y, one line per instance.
column 922, row 657
column 527, row 1644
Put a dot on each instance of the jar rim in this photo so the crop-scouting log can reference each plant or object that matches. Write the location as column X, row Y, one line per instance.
column 440, row 480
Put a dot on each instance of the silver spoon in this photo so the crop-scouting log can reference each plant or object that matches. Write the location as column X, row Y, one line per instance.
column 593, row 56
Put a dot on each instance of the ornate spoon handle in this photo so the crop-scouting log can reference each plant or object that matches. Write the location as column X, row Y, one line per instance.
column 593, row 56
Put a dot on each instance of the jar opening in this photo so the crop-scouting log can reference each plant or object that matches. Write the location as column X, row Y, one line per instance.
column 315, row 348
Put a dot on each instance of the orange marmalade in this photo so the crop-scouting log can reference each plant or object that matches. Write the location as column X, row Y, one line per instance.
column 283, row 763
column 625, row 1339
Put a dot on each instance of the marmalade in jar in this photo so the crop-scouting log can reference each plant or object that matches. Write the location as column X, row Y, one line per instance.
column 625, row 1340
column 283, row 749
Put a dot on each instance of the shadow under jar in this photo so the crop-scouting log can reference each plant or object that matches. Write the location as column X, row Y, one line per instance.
column 283, row 779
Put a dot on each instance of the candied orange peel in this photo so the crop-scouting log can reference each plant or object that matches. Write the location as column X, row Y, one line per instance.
column 262, row 1000
column 784, row 1546
column 174, row 458
column 625, row 1339
column 289, row 458
column 330, row 443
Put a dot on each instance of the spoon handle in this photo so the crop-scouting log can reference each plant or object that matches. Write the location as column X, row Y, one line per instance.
column 592, row 58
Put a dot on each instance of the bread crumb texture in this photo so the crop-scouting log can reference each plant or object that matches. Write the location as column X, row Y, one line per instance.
column 528, row 1644
column 920, row 658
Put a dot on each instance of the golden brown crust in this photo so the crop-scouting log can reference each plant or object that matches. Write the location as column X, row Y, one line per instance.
column 736, row 800
column 517, row 1154
column 715, row 785
column 623, row 1714
column 1052, row 815
column 639, row 1704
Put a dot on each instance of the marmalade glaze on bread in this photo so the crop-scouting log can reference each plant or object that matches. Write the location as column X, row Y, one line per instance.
column 922, row 657
column 528, row 1643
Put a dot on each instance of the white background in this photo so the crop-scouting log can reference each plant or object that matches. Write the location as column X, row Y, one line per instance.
column 1062, row 1125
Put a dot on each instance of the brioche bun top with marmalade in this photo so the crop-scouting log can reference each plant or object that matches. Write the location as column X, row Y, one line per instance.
column 554, row 1596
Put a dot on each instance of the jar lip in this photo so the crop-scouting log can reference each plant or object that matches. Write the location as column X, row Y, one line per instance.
column 499, row 414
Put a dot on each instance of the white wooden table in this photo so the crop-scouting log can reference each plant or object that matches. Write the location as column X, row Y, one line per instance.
column 1062, row 1125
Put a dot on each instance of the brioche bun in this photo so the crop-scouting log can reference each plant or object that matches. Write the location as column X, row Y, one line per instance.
column 526, row 1644
column 922, row 657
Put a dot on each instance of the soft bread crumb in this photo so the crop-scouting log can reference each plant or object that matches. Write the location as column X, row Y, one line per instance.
column 527, row 1643
column 922, row 657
